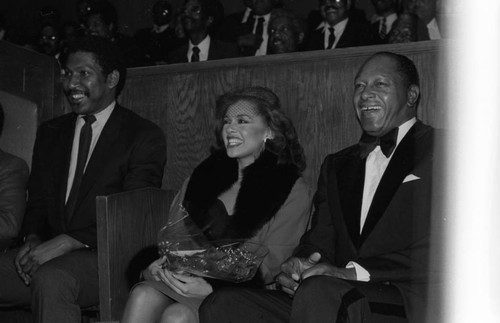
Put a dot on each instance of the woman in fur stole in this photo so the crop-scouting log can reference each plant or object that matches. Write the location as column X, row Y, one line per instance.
column 250, row 187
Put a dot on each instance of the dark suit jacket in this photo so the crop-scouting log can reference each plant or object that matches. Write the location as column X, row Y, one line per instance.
column 129, row 154
column 217, row 50
column 356, row 33
column 231, row 27
column 394, row 243
column 13, row 179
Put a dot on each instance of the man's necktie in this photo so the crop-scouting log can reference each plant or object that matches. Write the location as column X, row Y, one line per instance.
column 383, row 29
column 387, row 143
column 83, row 153
column 195, row 57
column 259, row 30
column 331, row 38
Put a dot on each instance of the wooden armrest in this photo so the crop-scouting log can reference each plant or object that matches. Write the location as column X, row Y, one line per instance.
column 127, row 229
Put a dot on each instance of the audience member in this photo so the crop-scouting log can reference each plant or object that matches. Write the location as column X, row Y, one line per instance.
column 103, row 21
column 157, row 41
column 337, row 30
column 417, row 22
column 50, row 42
column 383, row 19
column 369, row 244
column 100, row 148
column 236, row 24
column 254, row 41
column 13, row 179
column 197, row 17
column 286, row 32
column 249, row 188
column 83, row 10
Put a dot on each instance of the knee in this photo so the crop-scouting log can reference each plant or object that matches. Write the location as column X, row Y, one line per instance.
column 49, row 280
column 218, row 301
column 178, row 313
column 143, row 294
column 320, row 286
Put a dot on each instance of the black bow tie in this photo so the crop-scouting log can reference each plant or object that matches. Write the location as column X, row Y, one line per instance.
column 387, row 143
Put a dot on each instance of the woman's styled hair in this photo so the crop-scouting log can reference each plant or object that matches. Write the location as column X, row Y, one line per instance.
column 285, row 143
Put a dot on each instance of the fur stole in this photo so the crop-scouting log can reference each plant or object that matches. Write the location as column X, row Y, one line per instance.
column 264, row 188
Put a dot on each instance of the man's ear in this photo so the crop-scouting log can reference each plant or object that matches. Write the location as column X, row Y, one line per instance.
column 113, row 79
column 413, row 94
column 210, row 21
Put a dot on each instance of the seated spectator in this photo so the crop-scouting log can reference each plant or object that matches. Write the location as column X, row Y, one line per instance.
column 383, row 19
column 100, row 148
column 417, row 22
column 197, row 17
column 103, row 21
column 50, row 42
column 157, row 41
column 254, row 40
column 83, row 10
column 337, row 30
column 250, row 188
column 286, row 32
column 13, row 179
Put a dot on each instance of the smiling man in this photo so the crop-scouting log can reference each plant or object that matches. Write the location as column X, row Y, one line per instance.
column 366, row 256
column 286, row 32
column 337, row 30
column 100, row 148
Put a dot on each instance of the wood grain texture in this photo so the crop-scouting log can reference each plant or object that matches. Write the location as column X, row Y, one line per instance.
column 128, row 225
column 32, row 76
column 315, row 89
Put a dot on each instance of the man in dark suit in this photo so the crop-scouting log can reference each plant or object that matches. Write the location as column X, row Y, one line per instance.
column 368, row 248
column 100, row 148
column 383, row 19
column 338, row 30
column 198, row 16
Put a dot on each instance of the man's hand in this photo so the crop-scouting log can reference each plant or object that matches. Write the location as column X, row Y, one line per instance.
column 31, row 242
column 325, row 269
column 291, row 272
column 34, row 254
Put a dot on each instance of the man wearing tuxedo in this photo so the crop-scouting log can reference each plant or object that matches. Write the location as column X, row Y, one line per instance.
column 197, row 18
column 366, row 256
column 338, row 30
column 99, row 148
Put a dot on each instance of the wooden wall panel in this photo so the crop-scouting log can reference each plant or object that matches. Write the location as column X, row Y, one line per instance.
column 315, row 89
column 32, row 76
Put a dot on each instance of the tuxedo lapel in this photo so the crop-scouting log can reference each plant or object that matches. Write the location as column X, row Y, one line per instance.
column 350, row 171
column 406, row 156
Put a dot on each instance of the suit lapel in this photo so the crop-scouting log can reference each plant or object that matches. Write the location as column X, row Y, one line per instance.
column 61, row 173
column 404, row 160
column 350, row 172
column 102, row 153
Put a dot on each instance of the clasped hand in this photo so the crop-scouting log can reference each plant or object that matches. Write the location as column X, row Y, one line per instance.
column 34, row 253
column 182, row 283
column 295, row 270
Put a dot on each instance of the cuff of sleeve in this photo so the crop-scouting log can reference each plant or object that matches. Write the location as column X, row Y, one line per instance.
column 361, row 274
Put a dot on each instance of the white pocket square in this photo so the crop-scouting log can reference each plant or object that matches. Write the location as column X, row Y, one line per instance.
column 410, row 178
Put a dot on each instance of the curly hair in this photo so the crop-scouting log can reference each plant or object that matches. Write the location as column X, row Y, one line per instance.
column 285, row 143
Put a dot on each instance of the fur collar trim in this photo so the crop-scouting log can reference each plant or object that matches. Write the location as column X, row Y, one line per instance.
column 264, row 188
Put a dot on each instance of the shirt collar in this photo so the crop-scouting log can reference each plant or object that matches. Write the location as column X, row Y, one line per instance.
column 340, row 25
column 404, row 128
column 102, row 116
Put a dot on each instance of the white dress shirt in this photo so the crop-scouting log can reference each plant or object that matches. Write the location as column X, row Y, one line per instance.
column 101, row 119
column 338, row 31
column 376, row 164
column 204, row 46
column 433, row 29
column 265, row 36
column 389, row 21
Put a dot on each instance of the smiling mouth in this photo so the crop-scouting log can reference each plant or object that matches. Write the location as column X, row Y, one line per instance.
column 77, row 96
column 371, row 108
column 233, row 142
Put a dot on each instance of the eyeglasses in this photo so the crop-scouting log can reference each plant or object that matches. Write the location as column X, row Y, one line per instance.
column 48, row 37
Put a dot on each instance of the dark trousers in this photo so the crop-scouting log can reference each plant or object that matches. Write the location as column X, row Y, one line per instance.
column 318, row 299
column 58, row 288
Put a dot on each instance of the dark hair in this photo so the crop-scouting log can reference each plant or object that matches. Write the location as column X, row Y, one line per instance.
column 405, row 66
column 106, row 54
column 297, row 23
column 107, row 11
column 285, row 144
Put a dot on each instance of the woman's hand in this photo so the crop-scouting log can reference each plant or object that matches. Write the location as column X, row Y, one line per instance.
column 155, row 270
column 187, row 285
